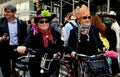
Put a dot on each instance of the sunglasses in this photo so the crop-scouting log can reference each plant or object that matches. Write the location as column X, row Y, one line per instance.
column 44, row 21
column 86, row 17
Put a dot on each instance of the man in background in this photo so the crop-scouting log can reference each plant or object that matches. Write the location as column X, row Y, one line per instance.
column 54, row 24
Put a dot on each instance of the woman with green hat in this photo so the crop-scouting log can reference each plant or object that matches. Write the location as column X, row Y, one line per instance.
column 43, row 38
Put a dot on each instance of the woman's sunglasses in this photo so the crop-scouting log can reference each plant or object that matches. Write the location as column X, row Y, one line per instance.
column 44, row 21
column 86, row 17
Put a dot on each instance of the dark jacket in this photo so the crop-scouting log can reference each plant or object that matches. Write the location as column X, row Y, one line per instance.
column 85, row 47
column 22, row 32
column 55, row 25
column 110, row 35
column 36, row 42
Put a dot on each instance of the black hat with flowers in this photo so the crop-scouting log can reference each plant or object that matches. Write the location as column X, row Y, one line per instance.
column 44, row 13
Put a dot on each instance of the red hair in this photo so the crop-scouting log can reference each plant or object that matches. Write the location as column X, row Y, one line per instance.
column 96, row 20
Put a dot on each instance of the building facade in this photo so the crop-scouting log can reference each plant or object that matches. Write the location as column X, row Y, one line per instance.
column 25, row 8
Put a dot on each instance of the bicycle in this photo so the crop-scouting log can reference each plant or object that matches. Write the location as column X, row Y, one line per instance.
column 46, row 65
column 66, row 66
column 21, row 69
column 93, row 66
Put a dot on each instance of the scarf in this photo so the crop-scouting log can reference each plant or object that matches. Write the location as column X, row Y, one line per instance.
column 84, row 29
column 47, row 36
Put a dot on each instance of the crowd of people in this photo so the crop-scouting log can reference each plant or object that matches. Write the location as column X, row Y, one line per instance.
column 80, row 32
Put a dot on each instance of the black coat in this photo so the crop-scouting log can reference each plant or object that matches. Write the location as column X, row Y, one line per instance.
column 111, row 37
column 36, row 42
column 85, row 47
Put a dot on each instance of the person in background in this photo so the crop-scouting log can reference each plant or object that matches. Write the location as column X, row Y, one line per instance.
column 112, row 34
column 12, row 33
column 67, row 18
column 30, row 24
column 46, row 39
column 97, row 21
column 54, row 24
column 71, row 23
column 116, row 27
column 84, row 39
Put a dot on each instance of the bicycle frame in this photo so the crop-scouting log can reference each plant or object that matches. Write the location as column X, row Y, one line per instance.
column 46, row 64
column 44, row 61
column 66, row 66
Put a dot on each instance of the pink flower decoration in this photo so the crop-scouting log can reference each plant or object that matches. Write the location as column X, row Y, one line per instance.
column 38, row 16
column 35, row 30
column 111, row 54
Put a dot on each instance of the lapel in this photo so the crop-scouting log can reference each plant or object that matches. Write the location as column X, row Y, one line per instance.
column 5, row 26
column 18, row 27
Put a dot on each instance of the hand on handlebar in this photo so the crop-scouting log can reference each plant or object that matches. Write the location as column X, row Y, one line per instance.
column 105, row 49
column 73, row 54
column 21, row 49
column 57, row 55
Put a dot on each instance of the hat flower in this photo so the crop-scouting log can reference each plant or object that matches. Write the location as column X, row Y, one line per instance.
column 45, row 13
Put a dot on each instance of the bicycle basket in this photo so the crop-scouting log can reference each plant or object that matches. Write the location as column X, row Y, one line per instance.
column 98, row 64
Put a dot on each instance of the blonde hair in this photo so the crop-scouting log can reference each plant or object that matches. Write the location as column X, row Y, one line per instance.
column 70, row 15
column 76, row 10
column 84, row 10
column 81, row 11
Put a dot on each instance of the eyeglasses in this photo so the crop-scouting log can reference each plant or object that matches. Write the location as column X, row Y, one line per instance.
column 85, row 17
column 44, row 21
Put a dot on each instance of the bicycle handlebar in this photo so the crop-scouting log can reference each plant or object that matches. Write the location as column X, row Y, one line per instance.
column 83, row 56
column 28, row 55
column 30, row 50
column 25, row 56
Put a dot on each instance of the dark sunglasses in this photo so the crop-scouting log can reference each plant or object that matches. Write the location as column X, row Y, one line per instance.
column 44, row 21
column 85, row 17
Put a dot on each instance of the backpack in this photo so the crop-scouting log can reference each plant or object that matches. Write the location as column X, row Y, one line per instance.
column 73, row 24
